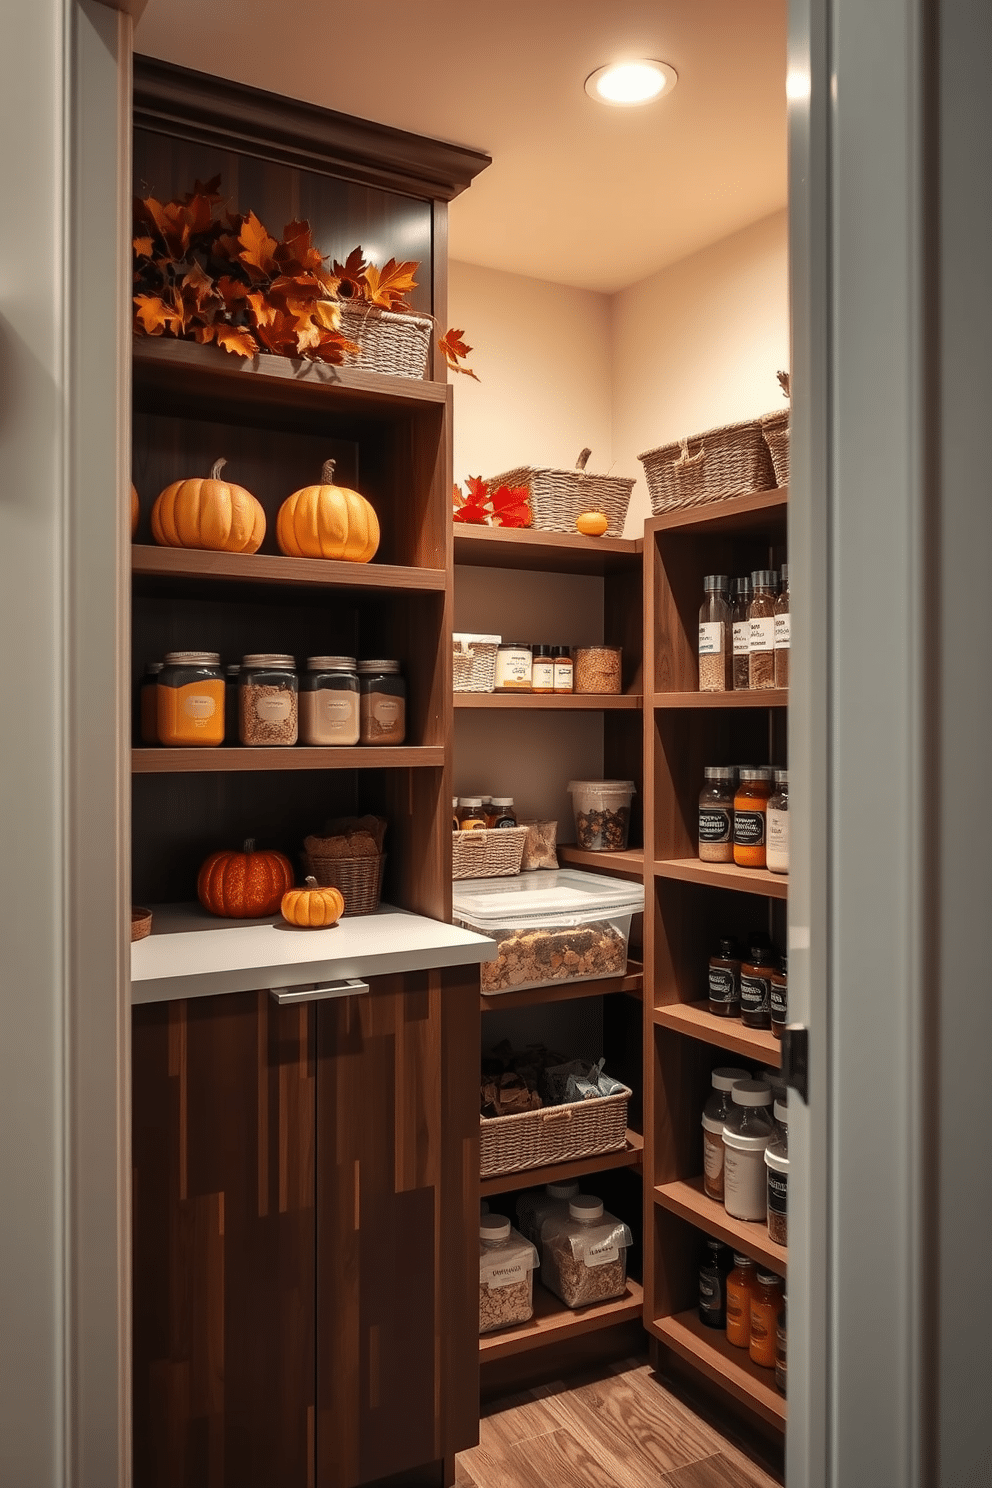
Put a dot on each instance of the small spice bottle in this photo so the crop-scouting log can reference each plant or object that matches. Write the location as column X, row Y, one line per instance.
column 761, row 629
column 783, row 630
column 766, row 1304
column 564, row 670
column 746, row 1133
column 778, row 824
column 756, row 987
column 779, row 996
column 781, row 1347
column 740, row 627
column 750, row 813
column 329, row 702
column 268, row 699
column 713, row 1284
column 513, row 667
column 383, row 702
column 148, row 703
column 716, row 815
column 714, row 1115
column 740, row 1284
column 471, row 815
column 232, row 682
column 500, row 812
column 777, row 1168
column 724, row 980
column 542, row 669
column 189, row 700
column 714, row 635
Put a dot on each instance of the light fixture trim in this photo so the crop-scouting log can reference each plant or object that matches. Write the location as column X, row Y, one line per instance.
column 632, row 83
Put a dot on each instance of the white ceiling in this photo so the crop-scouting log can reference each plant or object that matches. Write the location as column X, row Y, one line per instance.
column 577, row 193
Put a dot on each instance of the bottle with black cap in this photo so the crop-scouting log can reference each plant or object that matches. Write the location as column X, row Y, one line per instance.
column 740, row 627
column 761, row 629
column 713, row 1271
column 542, row 674
column 783, row 630
column 714, row 635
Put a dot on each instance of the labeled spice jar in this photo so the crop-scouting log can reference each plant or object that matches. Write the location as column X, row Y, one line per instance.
column 268, row 699
column 714, row 1115
column 713, row 1284
column 564, row 669
column 777, row 847
column 585, row 1257
column 724, row 980
column 783, row 630
column 329, row 702
column 500, row 812
column 716, row 815
column 506, row 1275
column 740, row 1284
column 232, row 682
column 536, row 1205
column 598, row 669
column 750, row 816
column 383, row 702
column 715, row 673
column 757, row 970
column 471, row 814
column 781, row 1347
column 779, row 996
column 542, row 669
column 746, row 1133
column 766, row 1304
column 513, row 667
column 777, row 1166
column 740, row 627
column 148, row 703
column 602, row 813
column 761, row 629
column 189, row 700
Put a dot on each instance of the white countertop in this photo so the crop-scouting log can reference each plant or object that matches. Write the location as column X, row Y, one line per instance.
column 191, row 953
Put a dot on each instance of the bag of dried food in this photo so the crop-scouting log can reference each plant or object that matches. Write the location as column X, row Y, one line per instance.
column 540, row 850
column 585, row 1256
column 506, row 1275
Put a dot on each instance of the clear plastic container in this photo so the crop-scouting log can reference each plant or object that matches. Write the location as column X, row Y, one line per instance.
column 715, row 1113
column 715, row 636
column 539, row 1204
column 761, row 621
column 602, row 813
column 747, row 1131
column 506, row 1275
column 585, row 1255
column 559, row 926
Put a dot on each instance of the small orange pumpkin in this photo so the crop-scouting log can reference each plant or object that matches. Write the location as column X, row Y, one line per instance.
column 327, row 521
column 244, row 885
column 135, row 510
column 313, row 906
column 592, row 523
column 208, row 514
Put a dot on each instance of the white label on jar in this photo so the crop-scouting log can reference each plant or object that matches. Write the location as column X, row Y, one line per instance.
column 198, row 707
column 494, row 1272
column 512, row 666
column 710, row 637
column 338, row 707
column 742, row 637
column 603, row 1254
column 386, row 710
column 762, row 634
column 778, row 840
column 563, row 676
column 276, row 708
column 543, row 674
column 745, row 1189
column 713, row 1160
column 783, row 632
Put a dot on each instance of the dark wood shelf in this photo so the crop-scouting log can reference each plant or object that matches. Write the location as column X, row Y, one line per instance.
column 632, row 984
column 724, row 876
column 266, row 568
column 564, row 702
column 627, row 864
column 732, row 515
column 770, row 697
column 553, row 1322
column 149, row 761
column 731, row 1368
column 629, row 1157
column 545, row 552
column 695, row 1020
column 689, row 1202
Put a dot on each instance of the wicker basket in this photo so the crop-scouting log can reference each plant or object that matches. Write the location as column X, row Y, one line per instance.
column 396, row 342
column 775, row 430
column 474, row 662
column 141, row 922
column 557, row 497
column 359, row 879
column 555, row 1134
column 730, row 461
column 493, row 852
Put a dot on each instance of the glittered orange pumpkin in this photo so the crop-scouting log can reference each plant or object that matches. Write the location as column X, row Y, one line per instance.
column 208, row 514
column 244, row 885
column 135, row 511
column 327, row 521
column 313, row 906
column 592, row 523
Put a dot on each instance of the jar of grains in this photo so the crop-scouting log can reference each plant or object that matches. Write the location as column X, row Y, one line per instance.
column 783, row 630
column 597, row 669
column 778, row 824
column 747, row 1131
column 148, row 703
column 761, row 629
column 268, row 699
column 506, row 1275
column 741, row 627
column 716, row 815
column 514, row 664
column 189, row 700
column 715, row 1113
column 750, row 812
column 383, row 702
column 329, row 710
column 714, row 634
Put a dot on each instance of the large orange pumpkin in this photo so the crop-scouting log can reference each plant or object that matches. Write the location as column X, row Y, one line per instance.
column 244, row 885
column 327, row 521
column 313, row 905
column 135, row 510
column 208, row 514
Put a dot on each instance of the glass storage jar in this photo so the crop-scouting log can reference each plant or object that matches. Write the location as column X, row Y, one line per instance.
column 724, row 979
column 585, row 1255
column 761, row 629
column 740, row 1284
column 713, row 1284
column 148, row 703
column 714, row 635
column 777, row 848
column 232, row 681
column 598, row 669
column 189, row 700
column 564, row 670
column 506, row 1275
column 536, row 1205
column 542, row 669
column 757, row 970
column 383, row 702
column 741, row 630
column 715, row 1113
column 514, row 665
column 779, row 996
column 746, row 1133
column 268, row 699
column 471, row 814
column 329, row 702
column 750, row 814
column 500, row 812
column 716, row 815
column 766, row 1304
column 783, row 630
column 777, row 1167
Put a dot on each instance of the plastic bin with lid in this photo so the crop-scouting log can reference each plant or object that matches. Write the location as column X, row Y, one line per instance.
column 565, row 926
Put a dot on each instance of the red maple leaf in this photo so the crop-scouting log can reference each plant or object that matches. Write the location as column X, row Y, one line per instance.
column 511, row 506
column 474, row 507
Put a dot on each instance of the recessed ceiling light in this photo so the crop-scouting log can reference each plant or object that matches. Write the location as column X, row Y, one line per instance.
column 625, row 84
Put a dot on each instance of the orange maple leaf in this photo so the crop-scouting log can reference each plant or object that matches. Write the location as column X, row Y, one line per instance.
column 256, row 246
column 200, row 286
column 237, row 340
column 350, row 276
column 143, row 247
column 388, row 286
column 474, row 507
column 155, row 316
column 453, row 349
column 511, row 506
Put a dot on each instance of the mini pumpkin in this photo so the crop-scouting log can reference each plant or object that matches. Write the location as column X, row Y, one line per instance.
column 313, row 906
column 327, row 521
column 135, row 510
column 592, row 523
column 209, row 513
column 244, row 885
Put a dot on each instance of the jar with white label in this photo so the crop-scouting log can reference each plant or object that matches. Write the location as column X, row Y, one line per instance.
column 564, row 669
column 783, row 630
column 747, row 1131
column 761, row 629
column 777, row 825
column 542, row 669
column 779, row 997
column 268, row 699
column 715, row 1113
column 740, row 627
column 383, row 702
column 506, row 1275
column 189, row 700
column 714, row 635
column 514, row 665
column 329, row 706
column 585, row 1255
column 716, row 814
column 777, row 1169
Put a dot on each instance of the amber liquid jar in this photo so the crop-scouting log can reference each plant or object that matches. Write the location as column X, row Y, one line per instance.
column 756, row 988
column 750, row 817
column 741, row 1282
column 724, row 981
column 780, row 997
column 766, row 1304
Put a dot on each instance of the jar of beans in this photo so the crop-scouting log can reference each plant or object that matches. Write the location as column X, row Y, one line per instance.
column 268, row 700
column 597, row 669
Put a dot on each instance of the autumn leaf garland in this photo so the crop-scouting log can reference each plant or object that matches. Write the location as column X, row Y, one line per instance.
column 507, row 506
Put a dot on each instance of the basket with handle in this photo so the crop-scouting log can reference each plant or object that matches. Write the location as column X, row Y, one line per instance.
column 557, row 497
column 359, row 879
column 474, row 662
column 492, row 852
column 775, row 428
column 396, row 342
column 554, row 1134
column 729, row 461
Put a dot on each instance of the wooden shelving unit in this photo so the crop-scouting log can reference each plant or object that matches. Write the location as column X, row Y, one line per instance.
column 564, row 702
column 731, row 1368
column 629, row 864
column 553, row 1322
column 688, row 1200
column 632, row 984
column 724, row 876
column 694, row 1020
column 149, row 761
column 772, row 697
column 545, row 552
column 565, row 1172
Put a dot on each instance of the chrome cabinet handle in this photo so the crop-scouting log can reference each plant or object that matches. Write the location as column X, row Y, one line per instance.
column 289, row 995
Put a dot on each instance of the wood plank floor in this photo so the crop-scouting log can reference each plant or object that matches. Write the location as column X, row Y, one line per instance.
column 617, row 1429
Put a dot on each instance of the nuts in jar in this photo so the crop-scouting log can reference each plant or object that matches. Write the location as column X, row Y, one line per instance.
column 598, row 669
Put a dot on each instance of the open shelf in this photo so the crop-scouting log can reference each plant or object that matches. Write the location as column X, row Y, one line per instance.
column 734, row 515
column 731, row 1368
column 503, row 1002
column 628, row 1157
column 266, row 568
column 771, row 697
column 725, row 876
column 553, row 1322
column 627, row 864
column 688, row 1201
column 562, row 701
column 695, row 1020
column 150, row 761
column 546, row 552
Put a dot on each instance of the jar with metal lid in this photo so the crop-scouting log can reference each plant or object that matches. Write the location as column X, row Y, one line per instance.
column 716, row 815
column 714, row 633
column 232, row 683
column 514, row 664
column 383, row 702
column 268, row 699
column 500, row 812
column 564, row 669
column 714, row 1115
column 777, row 849
column 148, row 703
column 724, row 980
column 750, row 813
column 756, row 987
column 746, row 1133
column 783, row 630
column 740, row 627
column 189, row 700
column 761, row 629
column 329, row 702
column 542, row 670
column 778, row 996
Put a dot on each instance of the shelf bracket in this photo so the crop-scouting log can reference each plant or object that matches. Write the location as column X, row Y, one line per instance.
column 795, row 1059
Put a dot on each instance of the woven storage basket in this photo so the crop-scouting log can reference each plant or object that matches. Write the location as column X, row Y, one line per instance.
column 393, row 341
column 729, row 461
column 775, row 429
column 494, row 852
column 534, row 1139
column 141, row 922
column 474, row 662
column 359, row 879
column 557, row 497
